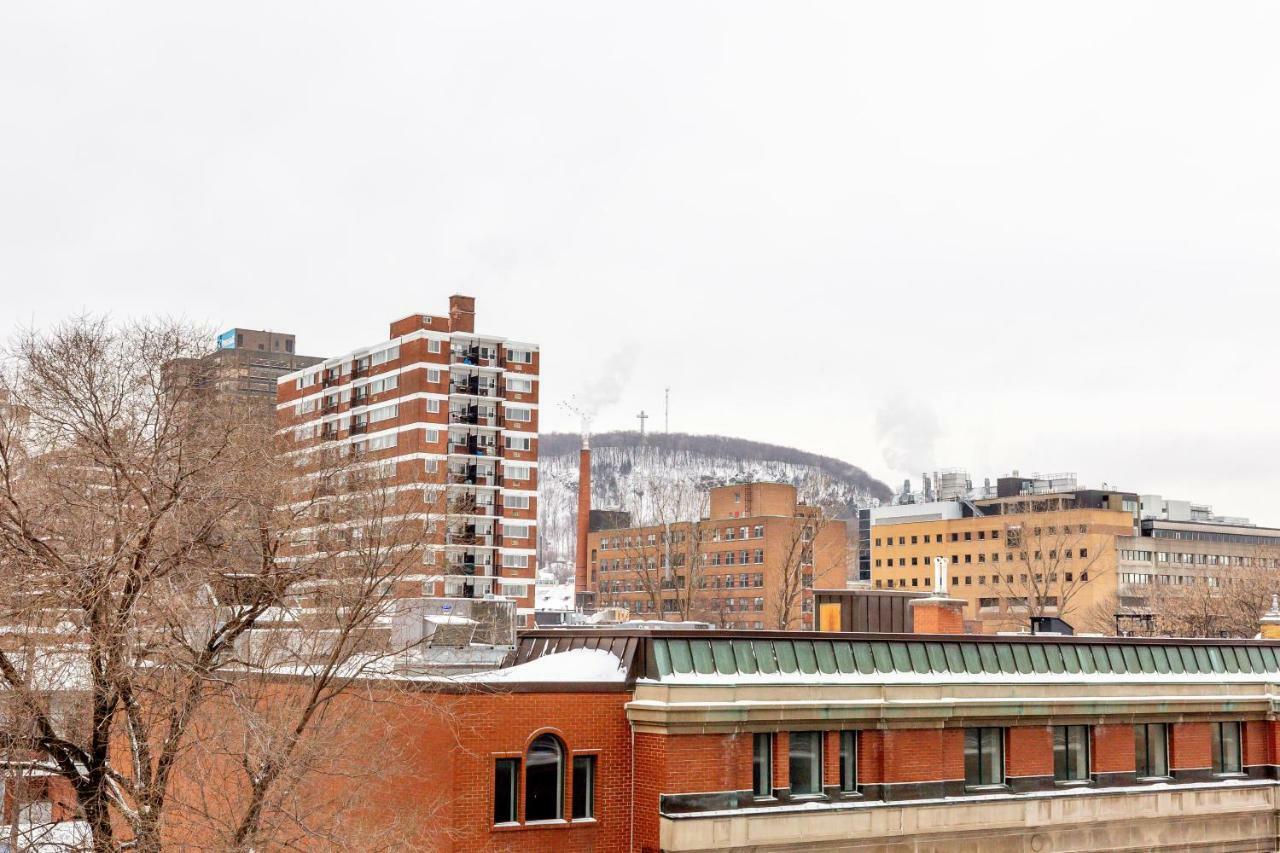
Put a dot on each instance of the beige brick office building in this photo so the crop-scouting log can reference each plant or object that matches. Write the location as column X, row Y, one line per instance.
column 751, row 563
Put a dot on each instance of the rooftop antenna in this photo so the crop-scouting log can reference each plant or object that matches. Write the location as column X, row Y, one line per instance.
column 666, row 410
column 642, row 417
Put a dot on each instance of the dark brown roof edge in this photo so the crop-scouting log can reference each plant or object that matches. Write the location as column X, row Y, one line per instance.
column 722, row 634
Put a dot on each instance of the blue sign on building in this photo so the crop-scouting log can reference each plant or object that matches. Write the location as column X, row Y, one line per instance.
column 227, row 340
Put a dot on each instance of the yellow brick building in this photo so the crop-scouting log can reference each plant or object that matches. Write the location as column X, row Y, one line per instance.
column 1019, row 561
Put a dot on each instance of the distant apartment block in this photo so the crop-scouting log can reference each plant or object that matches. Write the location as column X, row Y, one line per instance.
column 248, row 362
column 758, row 551
column 449, row 417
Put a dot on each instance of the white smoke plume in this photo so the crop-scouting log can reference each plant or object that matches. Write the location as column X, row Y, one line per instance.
column 906, row 431
column 605, row 389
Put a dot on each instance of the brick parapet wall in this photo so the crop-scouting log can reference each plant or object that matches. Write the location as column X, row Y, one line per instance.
column 1030, row 751
column 831, row 758
column 922, row 755
column 781, row 761
column 1258, row 742
column 1190, row 746
column 1113, row 749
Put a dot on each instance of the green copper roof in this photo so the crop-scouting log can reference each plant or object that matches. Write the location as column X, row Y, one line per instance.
column 805, row 656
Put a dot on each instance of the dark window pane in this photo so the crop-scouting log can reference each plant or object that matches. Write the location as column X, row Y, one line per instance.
column 544, row 780
column 505, row 773
column 1226, row 748
column 584, row 786
column 1070, row 753
column 806, row 763
column 762, row 766
column 992, row 756
column 984, row 756
column 1152, row 750
column 1059, row 753
column 848, row 761
column 972, row 766
column 1158, row 740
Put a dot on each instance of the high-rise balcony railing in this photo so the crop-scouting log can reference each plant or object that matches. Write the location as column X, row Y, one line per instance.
column 464, row 507
column 474, row 417
column 471, row 448
column 474, row 386
column 474, row 477
column 474, row 356
column 469, row 537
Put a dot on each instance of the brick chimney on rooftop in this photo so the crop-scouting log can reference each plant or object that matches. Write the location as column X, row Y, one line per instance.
column 580, row 584
column 938, row 613
column 462, row 313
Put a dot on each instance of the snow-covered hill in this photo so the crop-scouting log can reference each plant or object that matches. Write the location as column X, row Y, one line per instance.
column 626, row 470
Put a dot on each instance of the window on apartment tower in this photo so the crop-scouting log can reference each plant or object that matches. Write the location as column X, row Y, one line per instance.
column 1151, row 750
column 506, row 784
column 1070, row 753
column 983, row 757
column 544, row 780
column 1226, row 748
column 805, row 762
column 584, row 787
column 762, row 765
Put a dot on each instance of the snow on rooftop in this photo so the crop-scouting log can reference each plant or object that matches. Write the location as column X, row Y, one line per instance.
column 575, row 665
column 557, row 596
column 448, row 619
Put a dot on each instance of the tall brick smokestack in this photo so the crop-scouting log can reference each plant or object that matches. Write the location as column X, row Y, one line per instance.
column 584, row 514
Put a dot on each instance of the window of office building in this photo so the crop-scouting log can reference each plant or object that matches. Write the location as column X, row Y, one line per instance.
column 544, row 780
column 848, row 761
column 1070, row 753
column 983, row 757
column 584, row 787
column 506, row 784
column 762, row 765
column 1226, row 748
column 1151, row 749
column 805, row 762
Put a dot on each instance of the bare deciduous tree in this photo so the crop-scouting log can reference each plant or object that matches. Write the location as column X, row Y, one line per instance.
column 811, row 552
column 1048, row 561
column 161, row 549
column 664, row 564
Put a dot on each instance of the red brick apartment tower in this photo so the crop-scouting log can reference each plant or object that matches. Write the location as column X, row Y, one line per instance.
column 441, row 405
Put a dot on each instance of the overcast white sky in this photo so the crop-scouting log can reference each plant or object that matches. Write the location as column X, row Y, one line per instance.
column 992, row 235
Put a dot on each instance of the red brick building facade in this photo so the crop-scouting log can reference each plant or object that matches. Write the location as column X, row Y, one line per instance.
column 447, row 418
column 1081, row 743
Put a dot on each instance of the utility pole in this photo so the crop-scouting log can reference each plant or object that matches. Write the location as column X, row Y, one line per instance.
column 642, row 418
column 666, row 410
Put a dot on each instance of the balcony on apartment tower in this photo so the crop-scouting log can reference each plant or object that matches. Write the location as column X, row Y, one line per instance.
column 473, row 385
column 464, row 444
column 474, row 355
column 471, row 534
column 484, row 416
column 474, row 475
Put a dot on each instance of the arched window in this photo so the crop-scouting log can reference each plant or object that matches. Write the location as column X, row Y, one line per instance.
column 544, row 779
